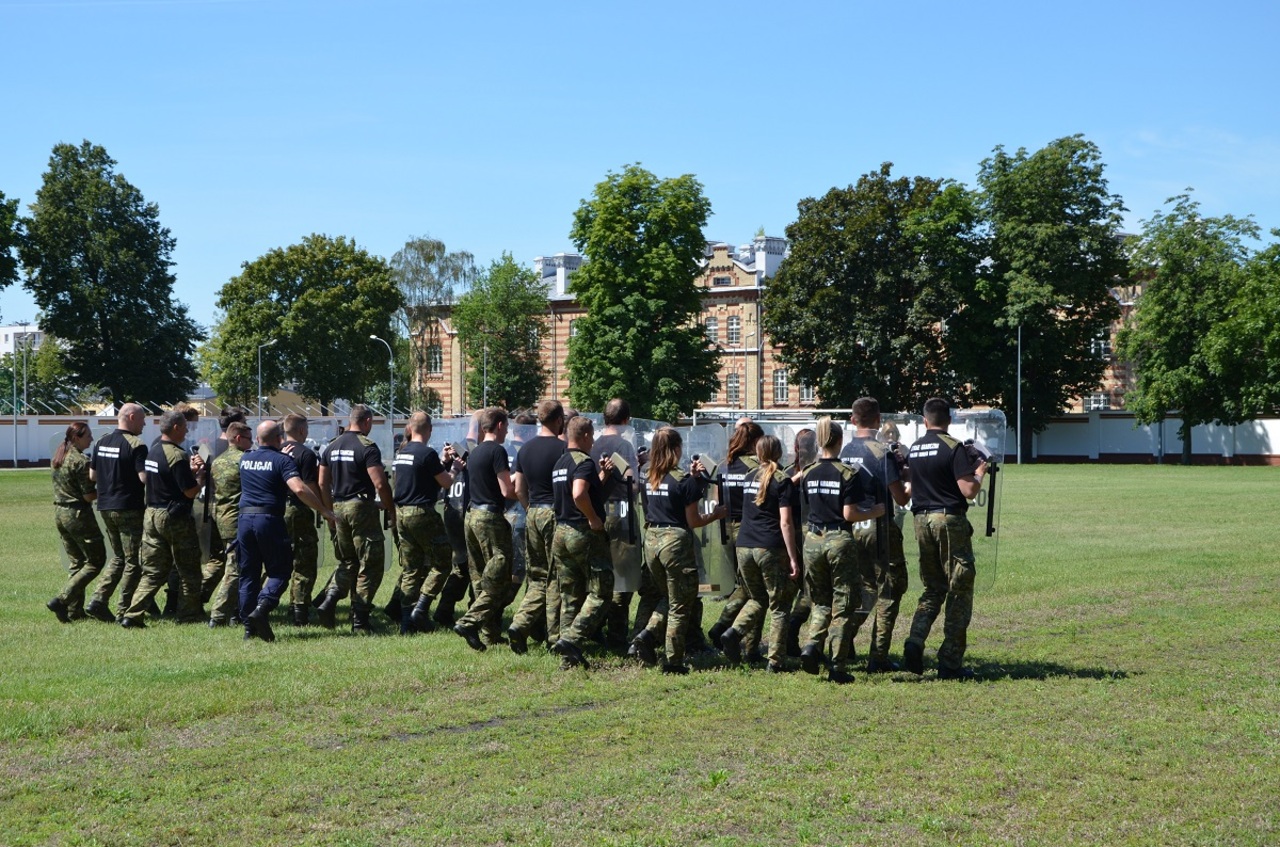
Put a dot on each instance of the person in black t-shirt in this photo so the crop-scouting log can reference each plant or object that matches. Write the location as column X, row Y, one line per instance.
column 118, row 468
column 944, row 477
column 489, row 550
column 300, row 520
column 425, row 554
column 739, row 466
column 351, row 477
column 539, row 611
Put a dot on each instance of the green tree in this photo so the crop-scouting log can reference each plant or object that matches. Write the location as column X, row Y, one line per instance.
column 1192, row 269
column 859, row 306
column 98, row 264
column 1243, row 349
column 500, row 324
column 319, row 301
column 10, row 237
column 642, row 238
column 1054, row 251
column 429, row 278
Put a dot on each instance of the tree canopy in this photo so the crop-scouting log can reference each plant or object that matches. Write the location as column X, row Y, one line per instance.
column 9, row 239
column 429, row 278
column 643, row 242
column 97, row 262
column 500, row 324
column 319, row 300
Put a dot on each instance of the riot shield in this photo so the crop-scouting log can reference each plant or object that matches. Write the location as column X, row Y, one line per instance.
column 627, row 565
column 517, row 436
column 710, row 443
column 879, row 542
column 202, row 440
column 786, row 433
column 983, row 430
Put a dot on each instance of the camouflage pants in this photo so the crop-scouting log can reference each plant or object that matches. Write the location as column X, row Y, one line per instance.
column 489, row 553
column 82, row 540
column 947, row 571
column 738, row 597
column 358, row 547
column 669, row 554
column 628, row 568
column 830, row 574
column 891, row 584
column 124, row 568
column 765, row 574
column 867, row 559
column 213, row 570
column 226, row 597
column 169, row 542
column 301, row 523
column 582, row 565
column 541, row 604
column 425, row 554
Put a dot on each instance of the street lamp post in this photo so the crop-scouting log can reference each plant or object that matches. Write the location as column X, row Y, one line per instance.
column 26, row 350
column 260, row 346
column 391, row 389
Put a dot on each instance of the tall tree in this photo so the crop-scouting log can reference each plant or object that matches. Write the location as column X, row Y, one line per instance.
column 859, row 306
column 500, row 324
column 319, row 301
column 429, row 278
column 642, row 238
column 10, row 237
column 1192, row 269
column 97, row 262
column 1243, row 349
column 1055, row 250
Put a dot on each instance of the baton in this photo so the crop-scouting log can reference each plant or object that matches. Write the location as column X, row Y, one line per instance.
column 991, row 499
column 631, row 514
column 724, row 524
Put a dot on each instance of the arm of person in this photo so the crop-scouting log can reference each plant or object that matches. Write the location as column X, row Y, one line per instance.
column 505, row 484
column 326, row 498
column 444, row 479
column 900, row 493
column 582, row 499
column 308, row 493
column 522, row 488
column 855, row 513
column 696, row 519
column 378, row 476
column 970, row 485
column 786, row 524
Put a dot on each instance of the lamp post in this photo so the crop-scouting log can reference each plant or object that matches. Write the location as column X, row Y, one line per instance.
column 260, row 346
column 391, row 390
column 26, row 350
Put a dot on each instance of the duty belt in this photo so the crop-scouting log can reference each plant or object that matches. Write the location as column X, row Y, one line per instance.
column 954, row 512
column 277, row 511
column 367, row 498
column 819, row 528
column 542, row 505
column 485, row 507
column 656, row 525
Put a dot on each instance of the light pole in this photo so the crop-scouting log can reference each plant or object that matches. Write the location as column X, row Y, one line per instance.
column 391, row 390
column 260, row 346
column 26, row 349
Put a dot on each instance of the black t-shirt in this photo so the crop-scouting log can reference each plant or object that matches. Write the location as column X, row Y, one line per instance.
column 458, row 497
column 417, row 467
column 536, row 459
column 829, row 486
column 264, row 479
column 576, row 465
column 117, row 460
column 307, row 462
column 168, row 477
column 736, row 474
column 348, row 458
column 607, row 445
column 483, row 466
column 666, row 503
column 762, row 525
column 937, row 461
column 872, row 456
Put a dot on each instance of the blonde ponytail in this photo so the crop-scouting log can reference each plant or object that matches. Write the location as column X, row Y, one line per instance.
column 769, row 452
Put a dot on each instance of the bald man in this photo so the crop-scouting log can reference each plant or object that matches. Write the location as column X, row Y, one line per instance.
column 119, row 467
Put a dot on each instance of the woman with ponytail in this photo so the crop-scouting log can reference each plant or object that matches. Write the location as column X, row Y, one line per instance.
column 73, row 491
column 738, row 466
column 838, row 496
column 671, row 513
column 768, row 554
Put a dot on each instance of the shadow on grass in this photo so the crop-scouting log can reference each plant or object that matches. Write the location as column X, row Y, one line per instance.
column 1043, row 670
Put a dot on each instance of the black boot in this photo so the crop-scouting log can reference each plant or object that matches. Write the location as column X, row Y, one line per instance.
column 811, row 658
column 642, row 649
column 420, row 614
column 406, row 620
column 718, row 629
column 395, row 607
column 249, row 632
column 327, row 611
column 301, row 614
column 360, row 622
column 59, row 609
column 794, row 626
column 471, row 636
column 731, row 641
column 259, row 622
column 99, row 610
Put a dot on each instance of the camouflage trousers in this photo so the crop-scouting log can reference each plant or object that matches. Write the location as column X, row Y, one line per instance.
column 169, row 542
column 124, row 568
column 737, row 598
column 82, row 541
column 947, row 571
column 358, row 547
column 226, row 596
column 669, row 554
column 215, row 567
column 425, row 554
column 540, row 608
column 891, row 584
column 765, row 574
column 490, row 556
column 585, row 573
column 300, row 521
column 830, row 572
column 628, row 568
column 867, row 561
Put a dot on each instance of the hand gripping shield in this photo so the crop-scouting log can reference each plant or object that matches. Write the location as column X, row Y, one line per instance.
column 710, row 444
column 626, row 568
column 202, row 440
column 983, row 431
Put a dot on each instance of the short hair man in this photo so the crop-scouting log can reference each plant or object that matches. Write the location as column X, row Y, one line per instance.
column 425, row 555
column 944, row 477
column 300, row 519
column 225, row 476
column 118, row 467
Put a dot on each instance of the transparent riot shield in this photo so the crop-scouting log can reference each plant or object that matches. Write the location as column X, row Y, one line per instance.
column 878, row 541
column 450, row 431
column 709, row 443
column 202, row 441
column 622, row 515
column 983, row 430
column 517, row 436
column 54, row 442
column 786, row 433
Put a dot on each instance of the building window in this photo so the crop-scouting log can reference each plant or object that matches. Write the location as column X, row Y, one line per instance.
column 735, row 330
column 573, row 328
column 733, row 390
column 713, row 330
column 780, row 392
column 435, row 359
column 1099, row 401
column 722, row 280
column 1100, row 347
column 807, row 393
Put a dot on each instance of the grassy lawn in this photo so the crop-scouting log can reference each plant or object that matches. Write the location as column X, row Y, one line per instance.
column 1127, row 694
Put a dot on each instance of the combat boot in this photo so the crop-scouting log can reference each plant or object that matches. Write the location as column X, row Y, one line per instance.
column 471, row 636
column 301, row 613
column 642, row 648
column 327, row 611
column 249, row 632
column 731, row 641
column 839, row 677
column 59, row 608
column 420, row 614
column 961, row 674
column 519, row 641
column 406, row 620
column 259, row 621
column 99, row 610
column 717, row 631
column 677, row 670
column 811, row 658
column 360, row 622
column 570, row 651
column 913, row 657
column 395, row 607
column 794, row 626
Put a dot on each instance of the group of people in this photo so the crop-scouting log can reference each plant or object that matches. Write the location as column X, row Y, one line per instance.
column 817, row 546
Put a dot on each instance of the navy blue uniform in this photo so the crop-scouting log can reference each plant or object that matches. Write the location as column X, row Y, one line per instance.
column 261, row 533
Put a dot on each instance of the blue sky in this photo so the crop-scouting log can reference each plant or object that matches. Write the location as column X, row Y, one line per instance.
column 252, row 123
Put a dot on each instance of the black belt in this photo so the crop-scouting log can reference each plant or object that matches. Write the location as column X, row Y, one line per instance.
column 81, row 505
column 485, row 507
column 366, row 498
column 656, row 525
column 828, row 527
column 277, row 511
column 940, row 512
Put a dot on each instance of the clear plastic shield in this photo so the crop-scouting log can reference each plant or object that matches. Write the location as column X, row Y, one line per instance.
column 202, row 441
column 627, row 562
column 983, row 430
column 786, row 433
column 878, row 541
column 710, row 444
column 517, row 436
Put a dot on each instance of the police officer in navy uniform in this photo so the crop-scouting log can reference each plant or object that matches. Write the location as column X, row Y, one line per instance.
column 267, row 478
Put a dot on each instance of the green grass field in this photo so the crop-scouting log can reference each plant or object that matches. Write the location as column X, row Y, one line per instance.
column 1128, row 694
